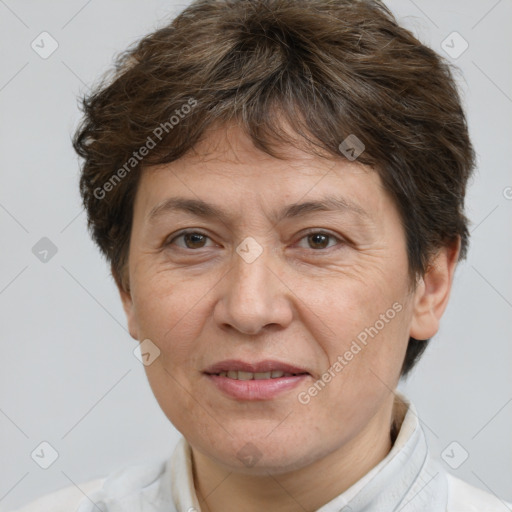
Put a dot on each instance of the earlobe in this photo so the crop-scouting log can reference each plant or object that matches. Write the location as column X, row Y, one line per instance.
column 126, row 299
column 433, row 291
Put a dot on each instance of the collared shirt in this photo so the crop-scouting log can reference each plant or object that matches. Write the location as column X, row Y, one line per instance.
column 406, row 480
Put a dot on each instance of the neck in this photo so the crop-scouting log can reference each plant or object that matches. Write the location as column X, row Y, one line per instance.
column 307, row 488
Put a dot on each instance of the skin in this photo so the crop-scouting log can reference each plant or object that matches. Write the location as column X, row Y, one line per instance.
column 303, row 301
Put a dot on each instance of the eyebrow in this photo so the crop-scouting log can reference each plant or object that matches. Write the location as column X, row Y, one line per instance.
column 206, row 210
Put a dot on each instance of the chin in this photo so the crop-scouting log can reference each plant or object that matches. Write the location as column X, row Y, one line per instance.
column 260, row 455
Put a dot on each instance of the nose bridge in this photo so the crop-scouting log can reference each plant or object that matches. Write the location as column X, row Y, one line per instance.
column 252, row 297
column 250, row 265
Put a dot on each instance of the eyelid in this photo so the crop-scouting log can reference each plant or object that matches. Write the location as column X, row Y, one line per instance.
column 168, row 240
column 341, row 240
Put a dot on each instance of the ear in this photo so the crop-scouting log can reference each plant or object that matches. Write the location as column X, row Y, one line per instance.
column 433, row 291
column 123, row 288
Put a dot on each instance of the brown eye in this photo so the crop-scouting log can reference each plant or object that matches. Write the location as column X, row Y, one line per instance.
column 192, row 240
column 318, row 240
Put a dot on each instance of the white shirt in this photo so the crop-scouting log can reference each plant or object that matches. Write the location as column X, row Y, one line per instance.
column 406, row 480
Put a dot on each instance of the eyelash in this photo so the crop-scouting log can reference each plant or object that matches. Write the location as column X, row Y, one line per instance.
column 313, row 232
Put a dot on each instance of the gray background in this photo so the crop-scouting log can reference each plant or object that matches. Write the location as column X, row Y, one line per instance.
column 68, row 375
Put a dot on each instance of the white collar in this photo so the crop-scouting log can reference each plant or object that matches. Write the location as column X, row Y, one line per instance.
column 406, row 480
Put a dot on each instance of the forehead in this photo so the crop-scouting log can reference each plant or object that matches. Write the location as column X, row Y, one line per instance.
column 226, row 174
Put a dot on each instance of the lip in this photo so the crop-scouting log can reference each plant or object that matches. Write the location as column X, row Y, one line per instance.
column 261, row 389
column 256, row 389
column 266, row 365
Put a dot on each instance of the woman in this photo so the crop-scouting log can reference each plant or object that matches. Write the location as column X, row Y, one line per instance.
column 278, row 186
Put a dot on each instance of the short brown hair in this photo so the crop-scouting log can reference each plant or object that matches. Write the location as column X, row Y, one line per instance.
column 328, row 68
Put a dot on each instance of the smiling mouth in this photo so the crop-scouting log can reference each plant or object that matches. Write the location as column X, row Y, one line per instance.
column 238, row 369
column 241, row 375
column 242, row 385
column 255, row 380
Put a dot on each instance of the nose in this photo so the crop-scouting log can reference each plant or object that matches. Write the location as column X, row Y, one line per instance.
column 253, row 296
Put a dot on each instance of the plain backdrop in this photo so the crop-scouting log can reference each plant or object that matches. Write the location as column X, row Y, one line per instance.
column 68, row 374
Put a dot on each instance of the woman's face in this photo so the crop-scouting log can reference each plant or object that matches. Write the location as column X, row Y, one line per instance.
column 324, row 291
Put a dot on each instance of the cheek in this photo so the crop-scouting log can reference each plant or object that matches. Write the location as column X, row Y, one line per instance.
column 364, row 367
column 359, row 309
column 168, row 311
column 368, row 335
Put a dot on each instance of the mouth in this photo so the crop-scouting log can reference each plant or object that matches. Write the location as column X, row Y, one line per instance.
column 255, row 381
column 241, row 375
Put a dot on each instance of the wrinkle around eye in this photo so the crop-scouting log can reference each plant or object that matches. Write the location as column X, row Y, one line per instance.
column 339, row 241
